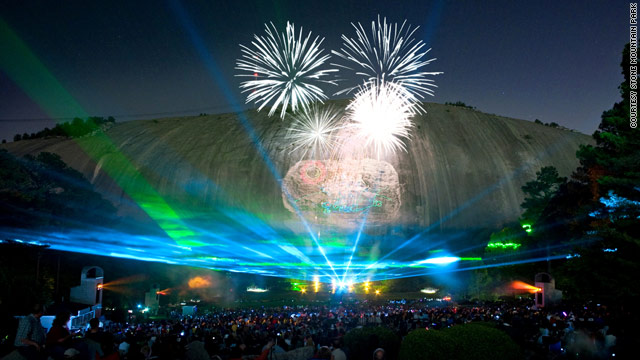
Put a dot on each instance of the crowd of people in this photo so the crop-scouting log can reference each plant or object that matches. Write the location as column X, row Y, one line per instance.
column 311, row 332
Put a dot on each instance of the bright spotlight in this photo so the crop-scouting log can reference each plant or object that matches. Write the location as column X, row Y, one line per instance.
column 520, row 285
column 442, row 260
column 256, row 289
column 429, row 290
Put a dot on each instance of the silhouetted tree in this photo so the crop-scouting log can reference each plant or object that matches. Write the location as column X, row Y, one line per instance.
column 539, row 192
column 460, row 104
column 597, row 211
column 76, row 128
column 43, row 191
column 608, row 179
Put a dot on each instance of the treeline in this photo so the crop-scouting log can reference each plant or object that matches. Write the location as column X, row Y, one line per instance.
column 551, row 124
column 44, row 192
column 590, row 221
column 537, row 121
column 76, row 128
column 460, row 104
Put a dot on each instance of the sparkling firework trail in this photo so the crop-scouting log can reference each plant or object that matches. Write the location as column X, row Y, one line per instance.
column 315, row 130
column 380, row 118
column 391, row 55
column 285, row 70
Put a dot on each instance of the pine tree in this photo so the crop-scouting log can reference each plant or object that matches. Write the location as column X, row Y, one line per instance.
column 600, row 208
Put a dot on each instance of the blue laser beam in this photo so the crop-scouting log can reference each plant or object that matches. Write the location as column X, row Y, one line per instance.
column 218, row 77
column 497, row 185
column 355, row 245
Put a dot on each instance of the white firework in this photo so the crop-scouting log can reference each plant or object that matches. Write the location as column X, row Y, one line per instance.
column 285, row 68
column 380, row 120
column 391, row 55
column 315, row 130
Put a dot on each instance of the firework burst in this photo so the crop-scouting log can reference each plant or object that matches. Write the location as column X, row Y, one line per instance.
column 285, row 68
column 391, row 55
column 380, row 119
column 315, row 130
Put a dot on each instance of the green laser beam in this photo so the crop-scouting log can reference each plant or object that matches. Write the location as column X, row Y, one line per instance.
column 29, row 73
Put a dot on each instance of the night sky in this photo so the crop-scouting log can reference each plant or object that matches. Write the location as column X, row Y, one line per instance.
column 557, row 61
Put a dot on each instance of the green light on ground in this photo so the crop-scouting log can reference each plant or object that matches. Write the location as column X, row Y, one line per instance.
column 503, row 245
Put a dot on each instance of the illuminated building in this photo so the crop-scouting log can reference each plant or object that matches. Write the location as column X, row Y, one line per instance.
column 152, row 298
column 89, row 292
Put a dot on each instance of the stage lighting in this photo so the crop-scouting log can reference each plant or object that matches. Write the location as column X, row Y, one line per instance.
column 429, row 290
column 442, row 260
column 504, row 245
column 256, row 289
column 520, row 285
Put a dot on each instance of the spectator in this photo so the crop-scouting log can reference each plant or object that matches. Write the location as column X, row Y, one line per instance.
column 123, row 348
column 100, row 343
column 379, row 354
column 308, row 341
column 30, row 336
column 59, row 338
column 324, row 353
column 206, row 335
column 337, row 352
column 196, row 351
column 266, row 351
column 238, row 351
